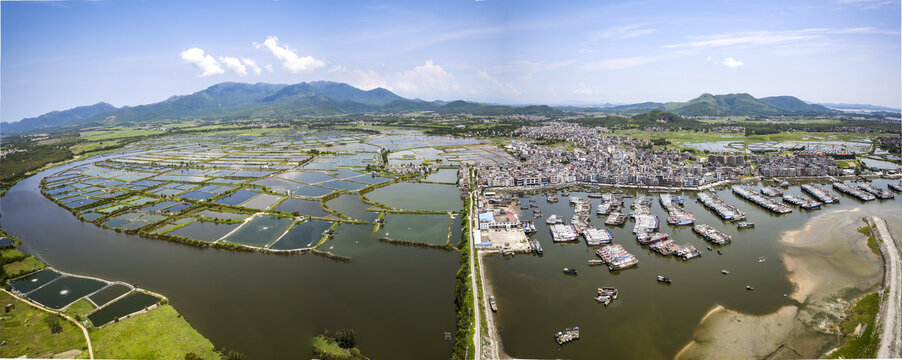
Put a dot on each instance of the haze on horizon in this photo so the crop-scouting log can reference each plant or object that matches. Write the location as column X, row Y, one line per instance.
column 59, row 55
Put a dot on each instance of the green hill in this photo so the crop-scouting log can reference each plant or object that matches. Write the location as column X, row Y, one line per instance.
column 728, row 105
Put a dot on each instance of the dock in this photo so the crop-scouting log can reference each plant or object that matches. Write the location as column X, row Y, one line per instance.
column 880, row 193
column 676, row 214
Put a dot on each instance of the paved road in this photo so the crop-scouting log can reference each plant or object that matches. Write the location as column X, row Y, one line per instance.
column 83, row 330
column 477, row 338
column 890, row 323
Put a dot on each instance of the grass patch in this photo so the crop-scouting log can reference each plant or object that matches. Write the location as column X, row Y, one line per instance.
column 864, row 346
column 326, row 348
column 872, row 240
column 158, row 334
column 28, row 265
column 10, row 255
column 27, row 331
column 80, row 308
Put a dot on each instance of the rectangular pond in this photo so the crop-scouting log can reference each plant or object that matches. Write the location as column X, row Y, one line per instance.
column 418, row 196
column 35, row 281
column 260, row 231
column 303, row 207
column 303, row 235
column 204, row 230
column 237, row 197
column 427, row 228
column 109, row 293
column 64, row 291
column 132, row 303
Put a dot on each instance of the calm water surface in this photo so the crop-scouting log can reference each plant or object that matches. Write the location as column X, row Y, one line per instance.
column 399, row 299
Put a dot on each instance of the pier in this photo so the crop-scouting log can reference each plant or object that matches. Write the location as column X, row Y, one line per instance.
column 711, row 234
column 880, row 193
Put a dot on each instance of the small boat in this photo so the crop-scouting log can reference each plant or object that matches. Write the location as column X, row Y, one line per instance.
column 747, row 287
column 719, row 252
column 596, row 262
column 784, row 184
column 663, row 279
column 725, row 272
column 762, row 259
column 709, row 248
column 568, row 335
column 570, row 271
column 595, row 195
column 745, row 225
column 492, row 304
column 609, row 291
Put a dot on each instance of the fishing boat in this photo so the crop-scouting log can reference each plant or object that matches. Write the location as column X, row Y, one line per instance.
column 492, row 304
column 725, row 272
column 593, row 262
column 552, row 199
column 554, row 219
column 745, row 225
column 747, row 287
column 570, row 271
column 663, row 279
column 568, row 335
column 536, row 247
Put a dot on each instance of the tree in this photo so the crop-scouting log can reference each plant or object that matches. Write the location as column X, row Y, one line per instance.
column 192, row 356
column 347, row 338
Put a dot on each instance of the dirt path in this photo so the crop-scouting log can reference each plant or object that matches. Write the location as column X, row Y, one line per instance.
column 492, row 351
column 80, row 326
column 890, row 323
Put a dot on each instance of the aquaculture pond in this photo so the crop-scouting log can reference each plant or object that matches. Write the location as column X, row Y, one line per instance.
column 131, row 303
column 303, row 207
column 418, row 196
column 64, row 291
column 352, row 206
column 272, row 292
column 448, row 176
column 427, row 228
column 35, row 281
column 109, row 293
column 204, row 230
column 260, row 231
column 303, row 235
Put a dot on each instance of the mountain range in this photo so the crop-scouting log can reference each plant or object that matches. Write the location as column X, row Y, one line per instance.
column 231, row 100
column 729, row 105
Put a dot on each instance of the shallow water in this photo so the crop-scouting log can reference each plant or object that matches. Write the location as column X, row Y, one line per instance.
column 536, row 300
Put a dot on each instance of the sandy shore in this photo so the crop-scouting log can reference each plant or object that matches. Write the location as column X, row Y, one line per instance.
column 823, row 260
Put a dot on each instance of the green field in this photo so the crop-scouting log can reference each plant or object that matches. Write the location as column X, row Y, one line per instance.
column 327, row 349
column 29, row 265
column 158, row 334
column 865, row 346
column 80, row 308
column 27, row 332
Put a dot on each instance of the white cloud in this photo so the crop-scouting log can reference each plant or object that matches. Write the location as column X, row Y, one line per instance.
column 252, row 64
column 269, row 68
column 426, row 77
column 338, row 69
column 621, row 32
column 750, row 38
column 234, row 64
column 368, row 80
column 731, row 62
column 583, row 90
column 708, row 59
column 206, row 63
column 291, row 61
column 506, row 87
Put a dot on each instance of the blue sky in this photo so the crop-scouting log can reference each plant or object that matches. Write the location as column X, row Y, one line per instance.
column 58, row 55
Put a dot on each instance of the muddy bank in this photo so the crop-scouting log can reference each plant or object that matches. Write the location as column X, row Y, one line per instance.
column 830, row 265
